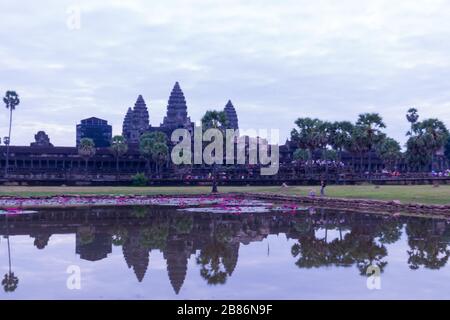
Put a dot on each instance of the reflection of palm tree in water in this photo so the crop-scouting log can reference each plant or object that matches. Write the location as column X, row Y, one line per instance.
column 428, row 248
column 216, row 259
column 211, row 261
column 10, row 281
column 358, row 247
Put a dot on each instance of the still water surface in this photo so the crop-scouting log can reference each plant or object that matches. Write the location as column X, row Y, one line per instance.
column 162, row 253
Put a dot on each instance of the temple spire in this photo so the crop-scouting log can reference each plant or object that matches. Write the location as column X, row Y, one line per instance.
column 177, row 116
column 231, row 114
column 136, row 121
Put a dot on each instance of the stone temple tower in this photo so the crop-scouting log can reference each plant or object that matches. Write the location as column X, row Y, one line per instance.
column 127, row 125
column 177, row 116
column 136, row 121
column 231, row 114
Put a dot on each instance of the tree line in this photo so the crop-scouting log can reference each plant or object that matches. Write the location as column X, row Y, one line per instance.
column 366, row 137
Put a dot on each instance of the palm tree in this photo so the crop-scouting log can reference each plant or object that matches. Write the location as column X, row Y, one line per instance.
column 328, row 155
column 371, row 123
column 389, row 152
column 213, row 119
column 357, row 146
column 417, row 153
column 310, row 134
column 160, row 151
column 434, row 135
column 86, row 149
column 301, row 155
column 153, row 146
column 10, row 281
column 11, row 100
column 339, row 138
column 145, row 148
column 412, row 116
column 119, row 147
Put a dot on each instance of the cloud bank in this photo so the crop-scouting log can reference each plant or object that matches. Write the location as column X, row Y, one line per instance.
column 276, row 60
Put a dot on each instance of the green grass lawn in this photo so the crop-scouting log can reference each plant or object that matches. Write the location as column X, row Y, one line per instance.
column 420, row 194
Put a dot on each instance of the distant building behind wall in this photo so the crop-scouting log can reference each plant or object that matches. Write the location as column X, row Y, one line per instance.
column 97, row 129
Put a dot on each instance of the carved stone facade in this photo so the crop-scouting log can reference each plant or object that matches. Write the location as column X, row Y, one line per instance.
column 231, row 114
column 41, row 140
column 136, row 121
column 177, row 116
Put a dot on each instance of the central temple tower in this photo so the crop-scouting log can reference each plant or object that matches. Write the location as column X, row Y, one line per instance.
column 177, row 116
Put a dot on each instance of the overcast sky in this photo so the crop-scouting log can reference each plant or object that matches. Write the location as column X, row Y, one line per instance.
column 276, row 60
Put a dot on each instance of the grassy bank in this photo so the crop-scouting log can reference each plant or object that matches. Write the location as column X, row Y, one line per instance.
column 420, row 194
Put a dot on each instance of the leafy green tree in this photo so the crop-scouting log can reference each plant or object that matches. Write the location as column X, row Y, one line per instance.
column 86, row 149
column 11, row 101
column 431, row 135
column 328, row 155
column 389, row 151
column 447, row 149
column 119, row 147
column 303, row 156
column 417, row 153
column 213, row 119
column 340, row 136
column 358, row 145
column 412, row 116
column 310, row 134
column 153, row 146
column 139, row 180
column 160, row 152
column 371, row 124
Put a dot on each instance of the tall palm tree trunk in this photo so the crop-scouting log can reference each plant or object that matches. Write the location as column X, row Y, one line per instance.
column 353, row 162
column 310, row 163
column 9, row 142
column 361, row 164
column 214, row 177
column 117, row 168
column 432, row 161
column 9, row 247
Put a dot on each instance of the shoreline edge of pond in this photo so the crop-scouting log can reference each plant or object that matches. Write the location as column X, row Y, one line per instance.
column 389, row 207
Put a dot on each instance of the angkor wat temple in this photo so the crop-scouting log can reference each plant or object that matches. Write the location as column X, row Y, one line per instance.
column 43, row 163
column 137, row 119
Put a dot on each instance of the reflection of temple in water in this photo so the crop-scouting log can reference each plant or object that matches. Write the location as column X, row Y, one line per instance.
column 214, row 240
column 96, row 249
column 136, row 256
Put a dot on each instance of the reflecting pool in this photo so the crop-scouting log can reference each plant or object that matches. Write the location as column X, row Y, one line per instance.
column 167, row 252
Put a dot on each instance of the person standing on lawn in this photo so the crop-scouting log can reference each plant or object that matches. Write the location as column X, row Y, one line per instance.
column 323, row 185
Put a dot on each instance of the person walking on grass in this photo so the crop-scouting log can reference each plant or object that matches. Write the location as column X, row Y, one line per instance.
column 323, row 185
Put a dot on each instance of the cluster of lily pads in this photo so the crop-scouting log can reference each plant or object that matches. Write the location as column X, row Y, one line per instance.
column 238, row 206
column 207, row 204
